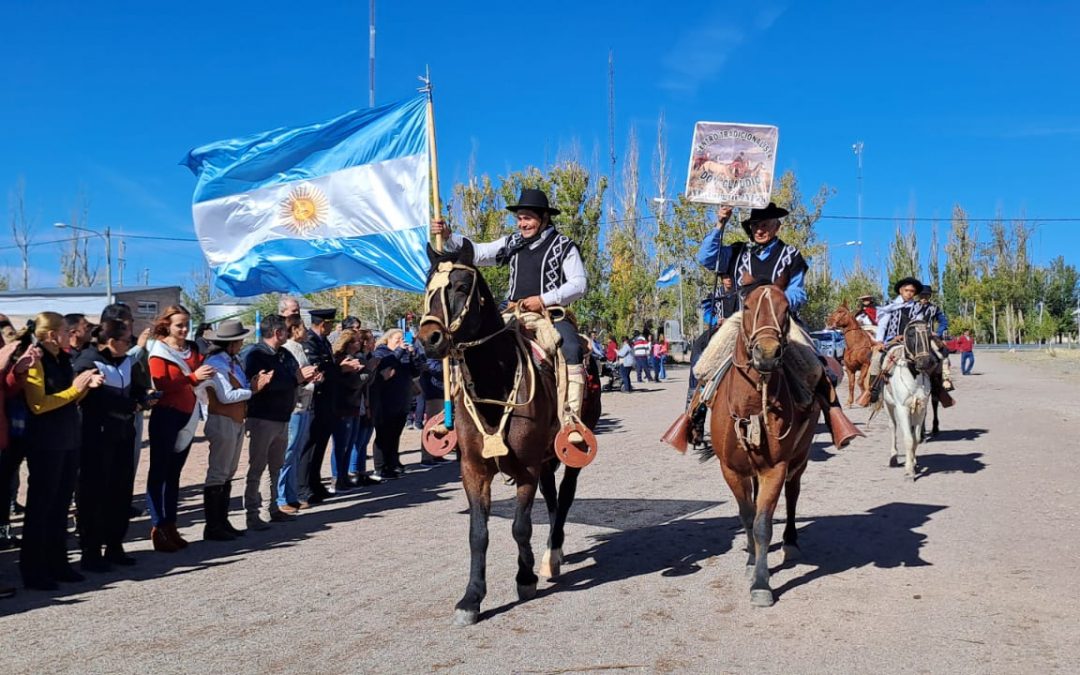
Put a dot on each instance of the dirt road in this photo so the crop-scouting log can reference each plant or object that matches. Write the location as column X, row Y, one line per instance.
column 970, row 569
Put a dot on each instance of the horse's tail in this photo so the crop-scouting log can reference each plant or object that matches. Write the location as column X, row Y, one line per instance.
column 705, row 453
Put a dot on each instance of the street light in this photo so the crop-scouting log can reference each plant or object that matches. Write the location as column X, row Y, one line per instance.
column 107, row 236
column 857, row 147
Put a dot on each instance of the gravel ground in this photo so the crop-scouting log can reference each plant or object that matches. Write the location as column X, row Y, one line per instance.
column 935, row 576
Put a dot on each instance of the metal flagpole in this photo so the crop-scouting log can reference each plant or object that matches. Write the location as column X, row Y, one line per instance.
column 436, row 206
column 682, row 309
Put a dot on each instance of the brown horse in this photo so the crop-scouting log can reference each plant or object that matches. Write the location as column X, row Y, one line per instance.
column 513, row 398
column 760, row 434
column 858, row 349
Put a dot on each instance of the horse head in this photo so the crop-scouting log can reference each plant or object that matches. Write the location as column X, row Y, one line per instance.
column 765, row 321
column 457, row 302
column 840, row 317
column 917, row 346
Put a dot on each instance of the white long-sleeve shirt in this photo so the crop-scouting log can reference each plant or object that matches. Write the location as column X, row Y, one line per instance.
column 573, row 268
column 220, row 383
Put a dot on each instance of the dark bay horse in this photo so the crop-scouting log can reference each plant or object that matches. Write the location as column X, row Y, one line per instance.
column 858, row 349
column 760, row 434
column 511, row 397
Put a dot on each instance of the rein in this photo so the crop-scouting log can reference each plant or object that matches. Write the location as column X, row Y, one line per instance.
column 440, row 280
column 755, row 422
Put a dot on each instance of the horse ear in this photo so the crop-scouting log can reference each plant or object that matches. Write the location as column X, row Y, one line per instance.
column 843, row 303
column 466, row 253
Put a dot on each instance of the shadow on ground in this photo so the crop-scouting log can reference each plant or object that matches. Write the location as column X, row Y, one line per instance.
column 418, row 487
column 883, row 537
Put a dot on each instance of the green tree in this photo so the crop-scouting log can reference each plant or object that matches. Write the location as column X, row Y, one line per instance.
column 960, row 269
column 904, row 254
column 798, row 230
column 1059, row 291
column 197, row 291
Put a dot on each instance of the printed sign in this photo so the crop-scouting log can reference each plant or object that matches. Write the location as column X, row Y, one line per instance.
column 732, row 164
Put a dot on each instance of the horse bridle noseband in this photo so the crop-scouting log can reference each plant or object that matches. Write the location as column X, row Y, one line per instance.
column 776, row 328
column 439, row 282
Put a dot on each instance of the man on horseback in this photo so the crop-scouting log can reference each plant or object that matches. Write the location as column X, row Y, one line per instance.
column 546, row 272
column 765, row 259
column 867, row 314
column 893, row 320
column 935, row 317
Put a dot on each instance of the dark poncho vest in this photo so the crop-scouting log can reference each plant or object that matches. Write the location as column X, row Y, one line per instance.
column 534, row 271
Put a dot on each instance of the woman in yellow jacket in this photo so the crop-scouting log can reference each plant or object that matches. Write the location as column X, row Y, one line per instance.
column 54, row 428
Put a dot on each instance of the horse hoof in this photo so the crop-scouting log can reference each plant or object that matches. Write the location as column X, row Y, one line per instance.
column 526, row 592
column 761, row 597
column 792, row 553
column 551, row 563
column 893, row 462
column 466, row 617
column 909, row 477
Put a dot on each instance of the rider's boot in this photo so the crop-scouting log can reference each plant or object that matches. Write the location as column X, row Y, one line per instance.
column 575, row 396
column 841, row 428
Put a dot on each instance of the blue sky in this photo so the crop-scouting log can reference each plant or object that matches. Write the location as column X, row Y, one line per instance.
column 973, row 103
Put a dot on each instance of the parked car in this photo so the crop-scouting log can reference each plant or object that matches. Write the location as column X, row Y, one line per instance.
column 829, row 343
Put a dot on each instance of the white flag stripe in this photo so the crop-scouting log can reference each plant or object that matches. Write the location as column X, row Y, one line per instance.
column 361, row 200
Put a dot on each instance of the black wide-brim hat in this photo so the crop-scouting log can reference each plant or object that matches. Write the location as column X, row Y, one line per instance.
column 768, row 213
column 926, row 290
column 912, row 281
column 533, row 200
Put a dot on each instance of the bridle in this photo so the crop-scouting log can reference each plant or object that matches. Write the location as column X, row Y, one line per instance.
column 750, row 335
column 919, row 334
column 462, row 378
column 437, row 285
column 775, row 328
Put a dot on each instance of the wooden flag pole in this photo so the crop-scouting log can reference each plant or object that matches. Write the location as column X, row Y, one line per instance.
column 448, row 408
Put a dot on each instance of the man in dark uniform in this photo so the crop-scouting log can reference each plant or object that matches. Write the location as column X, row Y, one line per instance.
column 545, row 270
column 321, row 355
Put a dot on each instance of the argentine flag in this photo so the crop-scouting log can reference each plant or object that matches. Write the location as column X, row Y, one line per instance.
column 669, row 277
column 343, row 202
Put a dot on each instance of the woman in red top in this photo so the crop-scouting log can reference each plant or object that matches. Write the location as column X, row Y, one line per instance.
column 178, row 373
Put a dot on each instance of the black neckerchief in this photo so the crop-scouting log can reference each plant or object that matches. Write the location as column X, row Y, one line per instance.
column 516, row 243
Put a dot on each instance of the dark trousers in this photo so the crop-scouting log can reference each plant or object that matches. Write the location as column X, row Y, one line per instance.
column 388, row 430
column 625, row 372
column 571, row 343
column 967, row 362
column 11, row 458
column 311, row 461
column 163, row 477
column 106, row 479
column 641, row 364
column 49, row 490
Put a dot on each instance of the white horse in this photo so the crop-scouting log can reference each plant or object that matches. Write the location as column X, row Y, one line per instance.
column 907, row 398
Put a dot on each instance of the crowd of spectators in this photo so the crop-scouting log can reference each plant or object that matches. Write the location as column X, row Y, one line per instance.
column 78, row 400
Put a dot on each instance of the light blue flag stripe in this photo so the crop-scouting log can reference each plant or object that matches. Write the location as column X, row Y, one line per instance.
column 390, row 260
column 286, row 155
column 669, row 277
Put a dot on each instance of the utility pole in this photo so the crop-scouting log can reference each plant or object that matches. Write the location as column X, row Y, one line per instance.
column 371, row 55
column 146, row 276
column 858, row 148
column 120, row 263
column 611, row 125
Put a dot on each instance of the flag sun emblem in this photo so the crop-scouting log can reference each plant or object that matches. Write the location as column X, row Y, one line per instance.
column 304, row 209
